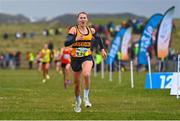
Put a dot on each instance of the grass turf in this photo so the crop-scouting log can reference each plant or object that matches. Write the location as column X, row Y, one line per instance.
column 24, row 96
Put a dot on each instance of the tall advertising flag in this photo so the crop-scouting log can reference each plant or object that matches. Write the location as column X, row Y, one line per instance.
column 124, row 46
column 145, row 40
column 164, row 33
column 116, row 42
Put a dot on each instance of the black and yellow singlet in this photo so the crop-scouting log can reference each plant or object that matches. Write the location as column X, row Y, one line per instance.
column 82, row 48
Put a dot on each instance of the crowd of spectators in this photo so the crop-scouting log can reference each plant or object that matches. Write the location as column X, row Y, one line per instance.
column 19, row 35
column 10, row 60
column 106, row 31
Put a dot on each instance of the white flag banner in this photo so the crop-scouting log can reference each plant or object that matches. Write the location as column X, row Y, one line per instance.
column 124, row 45
column 164, row 33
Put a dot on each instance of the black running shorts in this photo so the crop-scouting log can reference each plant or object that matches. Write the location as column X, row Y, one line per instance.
column 76, row 63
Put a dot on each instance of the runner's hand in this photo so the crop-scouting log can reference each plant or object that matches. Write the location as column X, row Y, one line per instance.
column 103, row 53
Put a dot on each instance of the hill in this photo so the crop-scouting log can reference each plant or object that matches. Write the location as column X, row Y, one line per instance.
column 13, row 19
column 70, row 19
column 66, row 19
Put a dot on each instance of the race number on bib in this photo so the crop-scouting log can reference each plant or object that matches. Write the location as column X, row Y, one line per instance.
column 80, row 52
column 66, row 56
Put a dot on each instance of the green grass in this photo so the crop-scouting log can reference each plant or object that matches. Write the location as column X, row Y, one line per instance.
column 105, row 21
column 24, row 96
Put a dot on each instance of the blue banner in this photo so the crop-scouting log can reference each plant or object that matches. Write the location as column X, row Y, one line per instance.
column 115, row 46
column 159, row 80
column 145, row 40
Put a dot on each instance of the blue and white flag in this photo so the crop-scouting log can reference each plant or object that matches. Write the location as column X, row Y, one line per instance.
column 145, row 40
column 115, row 46
column 164, row 33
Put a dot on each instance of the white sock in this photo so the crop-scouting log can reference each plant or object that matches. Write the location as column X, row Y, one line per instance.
column 78, row 98
column 86, row 93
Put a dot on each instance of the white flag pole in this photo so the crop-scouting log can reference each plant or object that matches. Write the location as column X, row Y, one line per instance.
column 159, row 65
column 132, row 78
column 110, row 72
column 102, row 69
column 95, row 69
column 178, row 70
column 119, row 71
column 149, row 68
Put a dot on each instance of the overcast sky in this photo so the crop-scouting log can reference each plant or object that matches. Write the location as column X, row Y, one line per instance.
column 53, row 8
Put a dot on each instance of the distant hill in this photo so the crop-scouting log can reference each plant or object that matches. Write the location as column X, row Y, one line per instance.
column 13, row 19
column 70, row 19
column 63, row 20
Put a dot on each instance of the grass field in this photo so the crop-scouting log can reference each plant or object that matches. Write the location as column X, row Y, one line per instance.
column 24, row 96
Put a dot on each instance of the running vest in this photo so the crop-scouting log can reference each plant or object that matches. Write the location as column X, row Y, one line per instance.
column 81, row 48
column 65, row 58
column 31, row 56
column 45, row 55
column 56, row 54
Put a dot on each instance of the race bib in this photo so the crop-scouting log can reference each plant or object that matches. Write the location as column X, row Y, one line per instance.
column 66, row 56
column 80, row 52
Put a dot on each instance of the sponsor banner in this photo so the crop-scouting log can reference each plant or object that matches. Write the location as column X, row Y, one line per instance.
column 159, row 80
column 115, row 46
column 175, row 88
column 145, row 40
column 164, row 34
column 124, row 45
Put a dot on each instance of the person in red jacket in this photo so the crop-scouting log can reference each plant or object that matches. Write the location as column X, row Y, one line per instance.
column 65, row 64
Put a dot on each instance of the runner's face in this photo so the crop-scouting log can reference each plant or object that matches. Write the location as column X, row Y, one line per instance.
column 46, row 46
column 82, row 20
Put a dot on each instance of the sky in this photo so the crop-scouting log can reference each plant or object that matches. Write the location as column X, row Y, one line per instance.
column 53, row 8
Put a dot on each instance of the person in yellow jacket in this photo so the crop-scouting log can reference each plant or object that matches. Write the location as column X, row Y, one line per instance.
column 98, row 60
column 45, row 55
column 30, row 58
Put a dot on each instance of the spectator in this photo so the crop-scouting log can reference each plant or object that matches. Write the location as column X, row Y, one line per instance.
column 18, row 35
column 5, row 35
column 17, row 59
column 45, row 32
column 7, row 60
column 2, row 60
column 98, row 60
column 30, row 57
